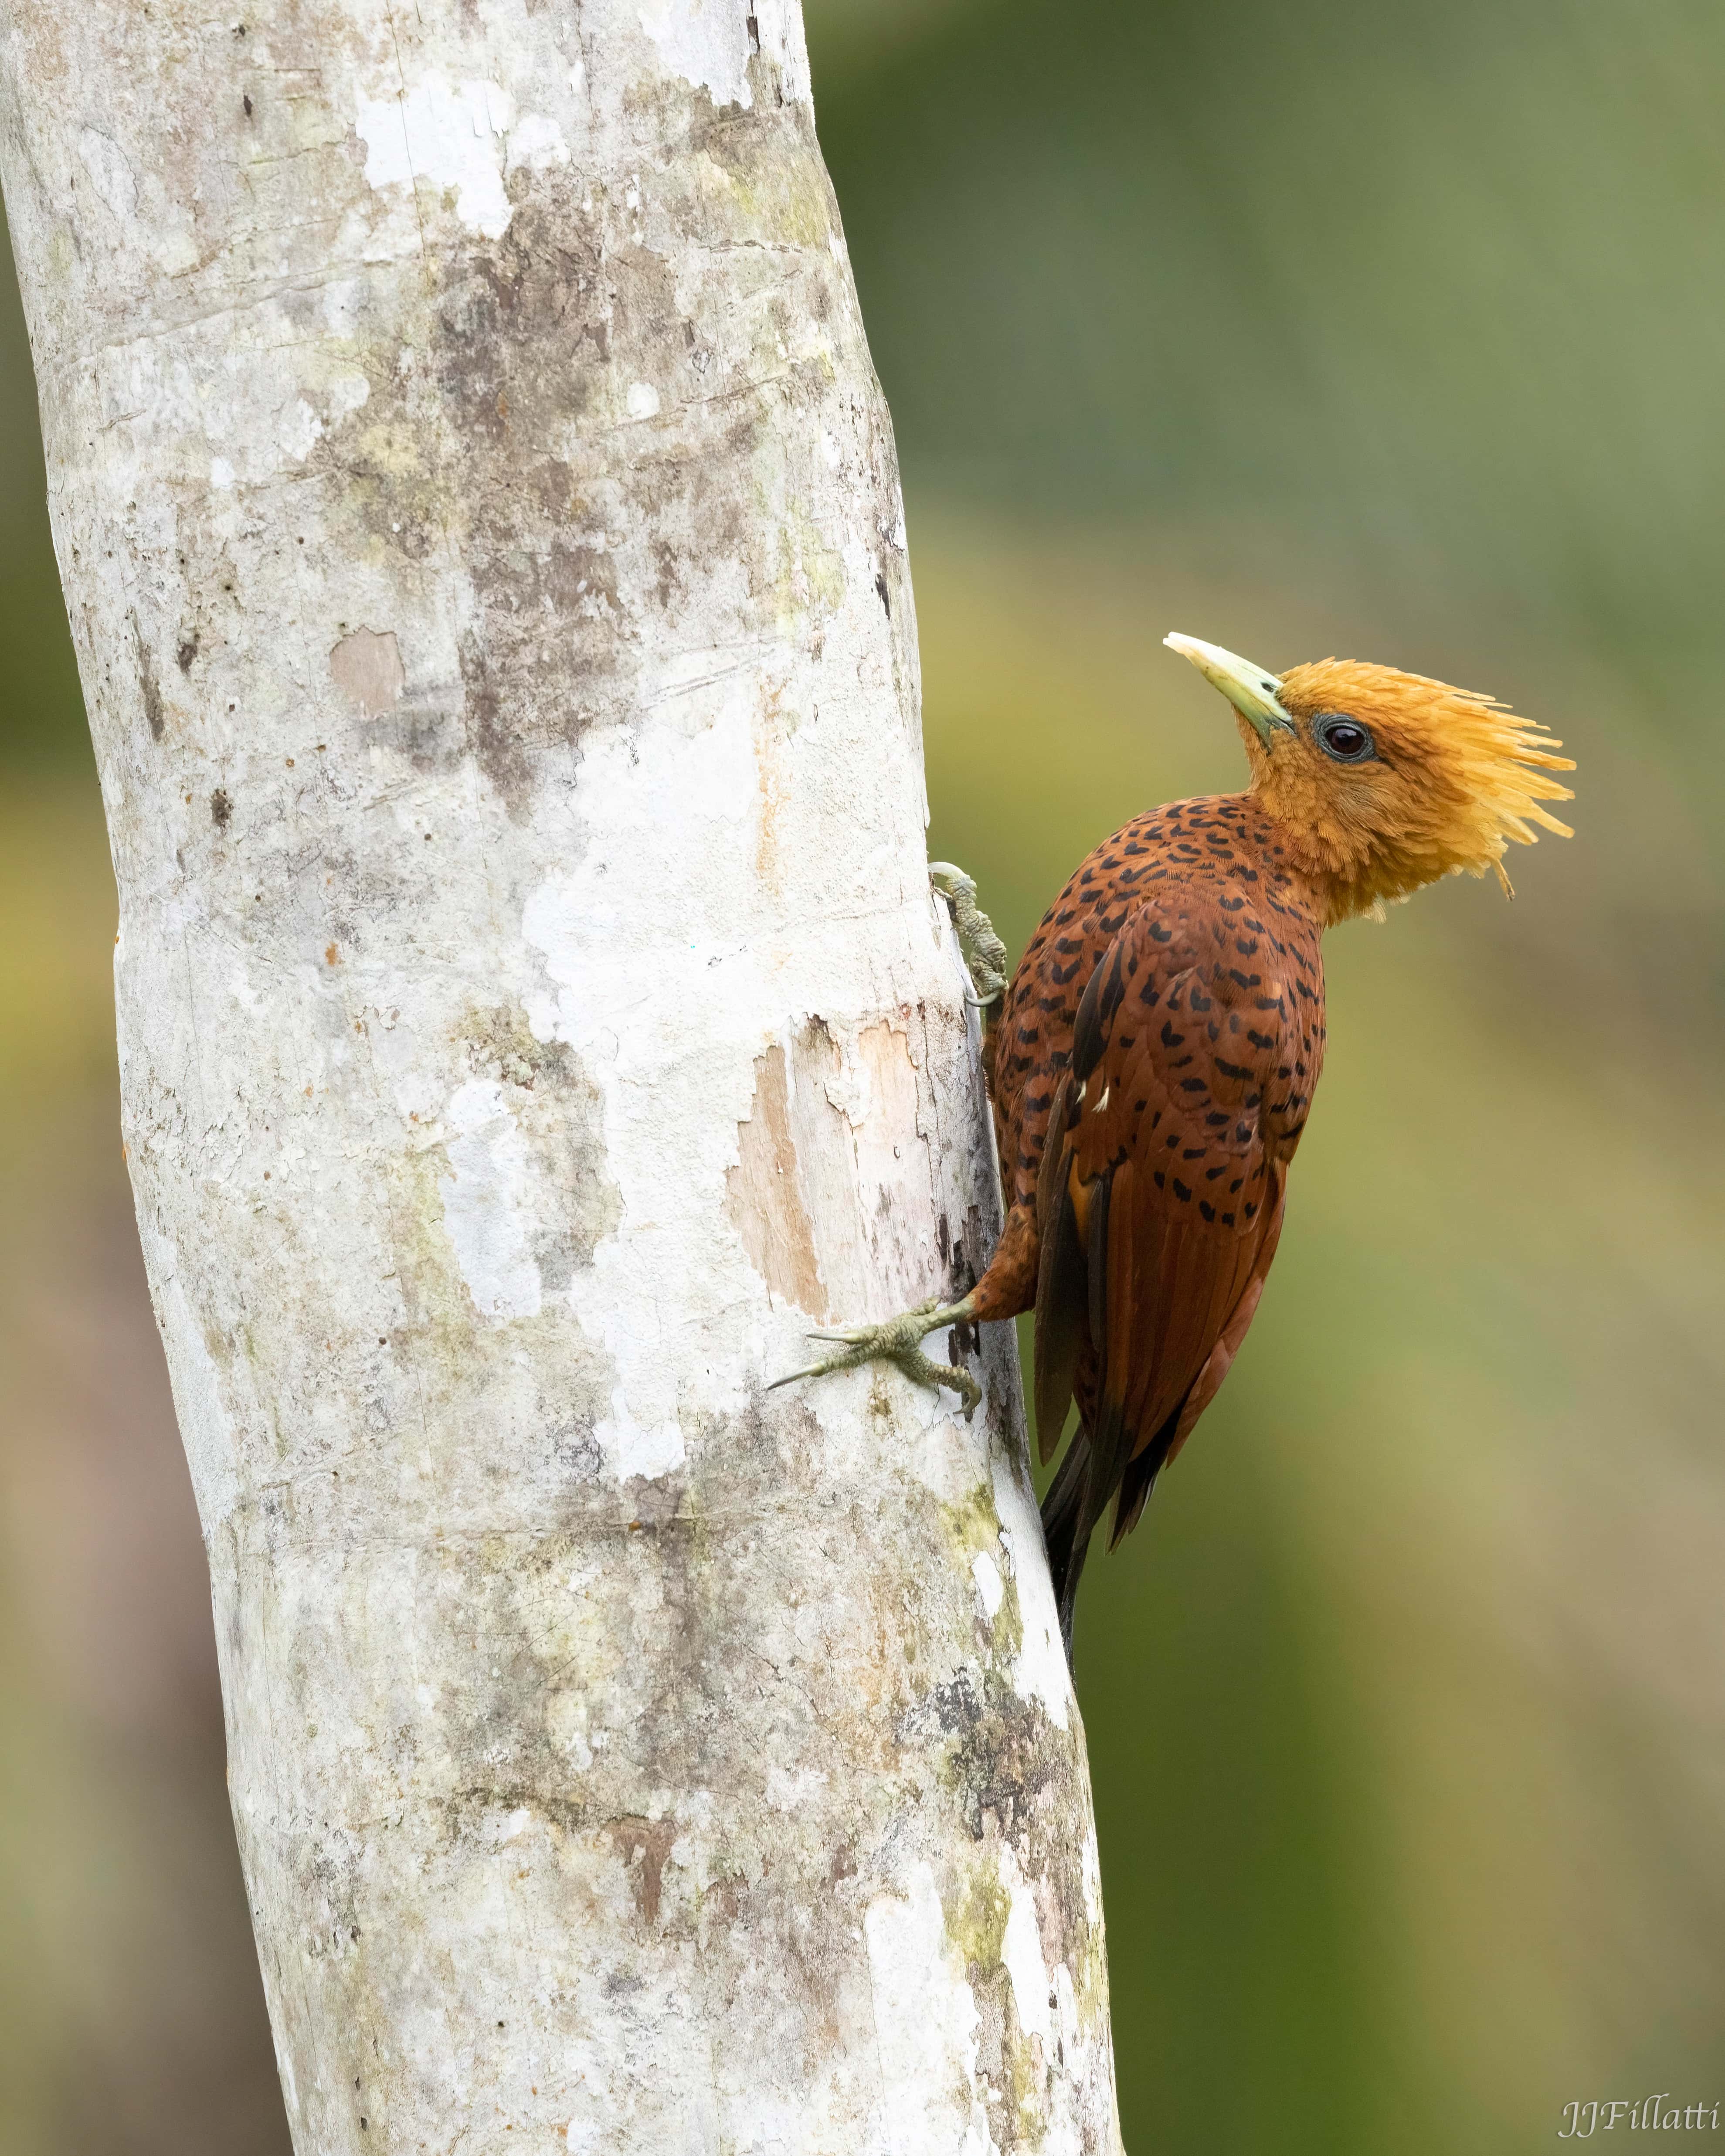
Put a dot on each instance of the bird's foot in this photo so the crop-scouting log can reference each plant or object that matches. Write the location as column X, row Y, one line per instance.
column 984, row 953
column 899, row 1341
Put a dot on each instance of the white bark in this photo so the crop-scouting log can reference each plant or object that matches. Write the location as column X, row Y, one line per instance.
column 482, row 540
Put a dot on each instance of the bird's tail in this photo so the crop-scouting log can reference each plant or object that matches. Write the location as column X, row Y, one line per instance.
column 1065, row 1531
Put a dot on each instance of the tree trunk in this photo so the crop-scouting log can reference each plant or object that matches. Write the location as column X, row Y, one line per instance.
column 482, row 540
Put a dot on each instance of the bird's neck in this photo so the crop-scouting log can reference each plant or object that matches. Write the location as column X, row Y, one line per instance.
column 1340, row 875
column 1281, row 850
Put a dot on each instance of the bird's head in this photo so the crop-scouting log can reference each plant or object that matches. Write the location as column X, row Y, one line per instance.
column 1384, row 780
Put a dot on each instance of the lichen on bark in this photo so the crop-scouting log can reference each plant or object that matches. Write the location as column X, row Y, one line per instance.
column 482, row 541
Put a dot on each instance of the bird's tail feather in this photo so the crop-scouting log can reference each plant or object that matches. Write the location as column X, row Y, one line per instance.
column 1065, row 1531
column 1066, row 1602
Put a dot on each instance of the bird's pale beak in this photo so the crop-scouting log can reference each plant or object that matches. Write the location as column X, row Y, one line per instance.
column 1255, row 694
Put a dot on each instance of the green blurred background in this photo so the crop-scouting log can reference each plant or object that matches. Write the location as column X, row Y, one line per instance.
column 1386, row 330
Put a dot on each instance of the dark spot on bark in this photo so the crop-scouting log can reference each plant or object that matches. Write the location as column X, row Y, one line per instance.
column 879, row 581
column 499, row 754
column 956, row 1705
column 148, row 685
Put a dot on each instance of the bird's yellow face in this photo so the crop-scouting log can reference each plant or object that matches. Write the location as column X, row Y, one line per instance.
column 1384, row 780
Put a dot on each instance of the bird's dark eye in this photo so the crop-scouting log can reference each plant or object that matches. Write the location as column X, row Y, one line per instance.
column 1344, row 739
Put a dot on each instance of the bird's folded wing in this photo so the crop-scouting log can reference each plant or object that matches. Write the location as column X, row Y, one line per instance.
column 1164, row 1176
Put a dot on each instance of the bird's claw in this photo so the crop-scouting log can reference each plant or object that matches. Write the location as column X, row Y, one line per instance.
column 898, row 1341
column 983, row 952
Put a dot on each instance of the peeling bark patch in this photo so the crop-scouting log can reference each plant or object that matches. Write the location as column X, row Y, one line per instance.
column 485, row 1204
column 463, row 139
column 884, row 1050
column 708, row 47
column 366, row 666
column 643, row 1846
column 926, row 2021
column 1021, row 1951
column 149, row 684
column 762, row 1197
column 524, row 1200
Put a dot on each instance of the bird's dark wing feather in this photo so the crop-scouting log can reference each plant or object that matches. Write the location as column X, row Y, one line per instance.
column 1059, row 1314
column 1160, row 1192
